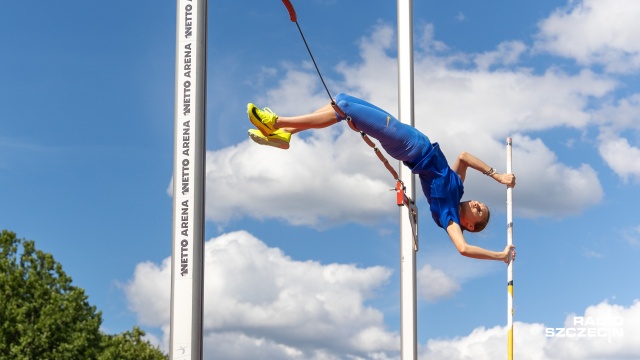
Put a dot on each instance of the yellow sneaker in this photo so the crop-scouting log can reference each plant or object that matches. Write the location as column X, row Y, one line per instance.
column 263, row 119
column 278, row 138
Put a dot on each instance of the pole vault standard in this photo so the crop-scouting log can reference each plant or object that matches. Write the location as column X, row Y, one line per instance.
column 405, row 188
column 510, row 267
column 187, row 258
column 408, row 238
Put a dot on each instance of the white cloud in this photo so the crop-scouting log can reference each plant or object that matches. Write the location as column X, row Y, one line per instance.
column 237, row 345
column 617, row 329
column 148, row 293
column 296, row 90
column 260, row 301
column 595, row 32
column 632, row 236
column 621, row 115
column 592, row 254
column 261, row 304
column 507, row 53
column 328, row 178
column 559, row 189
column 434, row 284
column 618, row 122
column 602, row 33
column 489, row 344
column 534, row 341
column 621, row 156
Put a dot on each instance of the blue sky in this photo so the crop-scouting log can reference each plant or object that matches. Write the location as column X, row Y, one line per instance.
column 302, row 251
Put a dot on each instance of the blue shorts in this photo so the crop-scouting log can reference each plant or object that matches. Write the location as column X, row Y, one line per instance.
column 401, row 141
column 441, row 185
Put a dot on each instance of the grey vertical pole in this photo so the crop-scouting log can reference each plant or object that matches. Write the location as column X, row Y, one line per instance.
column 187, row 260
column 408, row 310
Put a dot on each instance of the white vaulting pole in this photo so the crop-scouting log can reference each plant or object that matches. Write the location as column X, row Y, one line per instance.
column 510, row 267
column 408, row 245
column 187, row 259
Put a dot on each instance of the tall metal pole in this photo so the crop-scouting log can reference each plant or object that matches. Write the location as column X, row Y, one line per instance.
column 408, row 245
column 187, row 260
column 510, row 267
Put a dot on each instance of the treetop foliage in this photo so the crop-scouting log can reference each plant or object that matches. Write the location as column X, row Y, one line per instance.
column 43, row 316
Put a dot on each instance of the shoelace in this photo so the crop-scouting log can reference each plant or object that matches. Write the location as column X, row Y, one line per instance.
column 269, row 111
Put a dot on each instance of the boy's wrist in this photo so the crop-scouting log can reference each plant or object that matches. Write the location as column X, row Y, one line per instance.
column 490, row 172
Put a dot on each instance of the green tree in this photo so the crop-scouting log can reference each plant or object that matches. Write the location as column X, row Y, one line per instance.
column 44, row 317
column 129, row 345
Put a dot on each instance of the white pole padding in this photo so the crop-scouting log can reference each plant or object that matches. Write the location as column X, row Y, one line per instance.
column 187, row 257
column 408, row 240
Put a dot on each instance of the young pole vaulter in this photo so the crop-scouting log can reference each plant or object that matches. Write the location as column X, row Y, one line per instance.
column 442, row 185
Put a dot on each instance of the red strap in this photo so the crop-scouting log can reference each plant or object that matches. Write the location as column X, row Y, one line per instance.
column 337, row 109
column 292, row 11
column 399, row 193
column 401, row 198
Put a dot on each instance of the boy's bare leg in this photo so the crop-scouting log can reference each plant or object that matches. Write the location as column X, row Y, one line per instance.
column 321, row 118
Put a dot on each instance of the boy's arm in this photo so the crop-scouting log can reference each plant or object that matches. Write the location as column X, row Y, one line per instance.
column 476, row 252
column 466, row 160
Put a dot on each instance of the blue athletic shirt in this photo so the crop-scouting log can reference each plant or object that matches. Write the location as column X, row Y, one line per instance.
column 441, row 185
